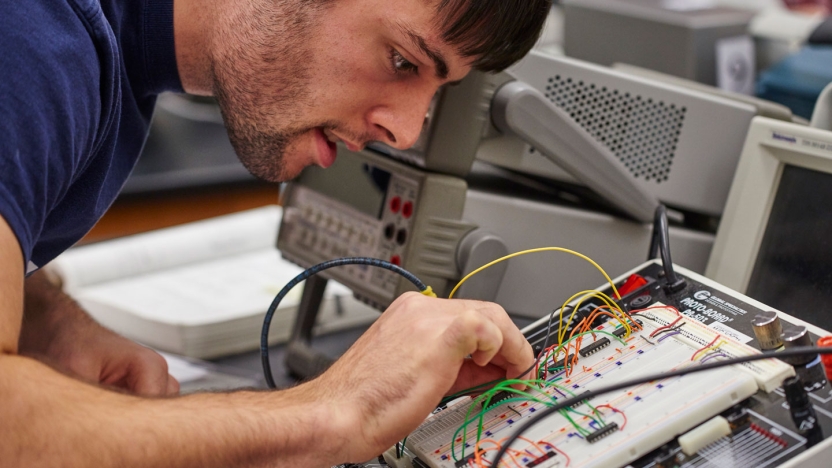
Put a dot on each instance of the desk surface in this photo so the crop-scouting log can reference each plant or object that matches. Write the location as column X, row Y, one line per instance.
column 332, row 344
column 135, row 213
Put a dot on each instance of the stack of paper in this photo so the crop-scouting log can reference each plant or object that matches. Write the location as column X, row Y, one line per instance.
column 200, row 289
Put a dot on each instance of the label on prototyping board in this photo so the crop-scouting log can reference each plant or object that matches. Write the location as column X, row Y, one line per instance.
column 730, row 333
column 705, row 306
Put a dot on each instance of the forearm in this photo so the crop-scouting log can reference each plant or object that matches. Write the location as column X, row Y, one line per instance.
column 49, row 419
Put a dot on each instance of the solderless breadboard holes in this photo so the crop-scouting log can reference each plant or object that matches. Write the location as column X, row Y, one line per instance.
column 642, row 132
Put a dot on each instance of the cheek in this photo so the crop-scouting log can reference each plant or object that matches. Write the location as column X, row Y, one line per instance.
column 346, row 88
column 349, row 69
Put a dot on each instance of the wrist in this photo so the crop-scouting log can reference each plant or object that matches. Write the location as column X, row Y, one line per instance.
column 327, row 428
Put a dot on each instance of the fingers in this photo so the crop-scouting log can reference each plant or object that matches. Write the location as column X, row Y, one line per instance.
column 513, row 371
column 173, row 386
column 516, row 355
column 496, row 339
column 415, row 353
column 472, row 375
column 480, row 337
column 149, row 376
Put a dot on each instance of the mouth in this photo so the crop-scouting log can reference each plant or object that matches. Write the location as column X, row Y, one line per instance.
column 333, row 138
column 327, row 148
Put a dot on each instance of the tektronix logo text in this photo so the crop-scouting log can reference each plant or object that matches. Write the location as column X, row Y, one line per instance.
column 780, row 137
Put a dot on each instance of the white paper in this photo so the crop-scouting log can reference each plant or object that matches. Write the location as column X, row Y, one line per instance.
column 201, row 289
column 166, row 248
column 208, row 292
column 183, row 370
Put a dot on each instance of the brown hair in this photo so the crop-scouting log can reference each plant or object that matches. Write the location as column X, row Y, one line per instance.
column 496, row 33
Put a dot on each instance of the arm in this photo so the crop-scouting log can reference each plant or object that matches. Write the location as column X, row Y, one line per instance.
column 57, row 331
column 50, row 419
column 378, row 392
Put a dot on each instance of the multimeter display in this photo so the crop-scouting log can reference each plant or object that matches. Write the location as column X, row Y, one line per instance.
column 356, row 183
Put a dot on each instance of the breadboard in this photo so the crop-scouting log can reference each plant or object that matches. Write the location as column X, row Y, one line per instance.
column 768, row 373
column 654, row 412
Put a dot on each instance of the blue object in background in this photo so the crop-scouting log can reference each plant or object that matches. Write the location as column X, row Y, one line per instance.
column 797, row 80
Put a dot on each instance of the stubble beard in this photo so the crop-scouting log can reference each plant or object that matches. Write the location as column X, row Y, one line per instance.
column 261, row 80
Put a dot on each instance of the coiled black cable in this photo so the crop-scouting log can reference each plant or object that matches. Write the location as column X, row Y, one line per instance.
column 314, row 270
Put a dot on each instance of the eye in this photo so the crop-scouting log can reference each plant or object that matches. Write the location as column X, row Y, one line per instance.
column 400, row 64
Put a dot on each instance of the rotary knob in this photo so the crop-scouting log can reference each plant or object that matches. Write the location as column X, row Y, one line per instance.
column 767, row 329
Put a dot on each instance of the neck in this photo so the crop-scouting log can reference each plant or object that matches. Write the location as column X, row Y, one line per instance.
column 191, row 27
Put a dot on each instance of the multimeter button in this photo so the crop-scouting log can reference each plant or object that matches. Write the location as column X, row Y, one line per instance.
column 389, row 231
column 395, row 204
column 396, row 260
column 407, row 209
column 401, row 236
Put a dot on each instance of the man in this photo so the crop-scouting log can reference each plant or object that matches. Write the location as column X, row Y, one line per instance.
column 78, row 81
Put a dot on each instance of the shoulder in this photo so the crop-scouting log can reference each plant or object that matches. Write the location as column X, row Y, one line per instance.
column 49, row 54
column 47, row 24
column 55, row 69
column 52, row 72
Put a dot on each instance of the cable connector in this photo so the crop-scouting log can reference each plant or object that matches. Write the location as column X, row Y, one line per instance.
column 428, row 291
column 677, row 286
column 660, row 244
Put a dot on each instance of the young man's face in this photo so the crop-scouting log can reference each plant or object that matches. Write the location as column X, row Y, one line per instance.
column 294, row 76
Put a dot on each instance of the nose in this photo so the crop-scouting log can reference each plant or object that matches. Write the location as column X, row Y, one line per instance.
column 400, row 121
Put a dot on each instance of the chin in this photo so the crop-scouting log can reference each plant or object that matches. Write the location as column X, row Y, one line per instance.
column 302, row 153
column 269, row 170
column 275, row 164
column 291, row 165
column 291, row 173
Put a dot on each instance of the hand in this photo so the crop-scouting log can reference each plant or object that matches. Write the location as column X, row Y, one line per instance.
column 57, row 331
column 94, row 353
column 417, row 351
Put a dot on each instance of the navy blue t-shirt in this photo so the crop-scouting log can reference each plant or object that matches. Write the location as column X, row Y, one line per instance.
column 78, row 82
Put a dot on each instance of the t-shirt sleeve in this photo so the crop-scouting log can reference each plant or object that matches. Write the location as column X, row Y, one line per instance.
column 49, row 109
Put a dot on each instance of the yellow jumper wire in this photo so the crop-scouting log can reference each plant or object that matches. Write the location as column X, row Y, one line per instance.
column 541, row 249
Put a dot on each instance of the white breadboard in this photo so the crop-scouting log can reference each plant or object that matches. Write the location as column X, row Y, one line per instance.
column 768, row 373
column 655, row 412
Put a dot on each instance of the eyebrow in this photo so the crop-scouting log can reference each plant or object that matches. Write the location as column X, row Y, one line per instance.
column 439, row 62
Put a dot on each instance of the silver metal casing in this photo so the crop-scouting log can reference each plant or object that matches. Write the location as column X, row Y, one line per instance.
column 679, row 144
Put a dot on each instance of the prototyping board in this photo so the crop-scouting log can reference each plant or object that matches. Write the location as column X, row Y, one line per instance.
column 650, row 411
column 762, row 435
